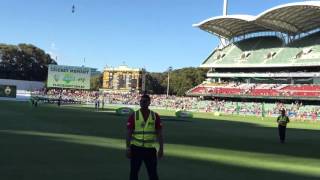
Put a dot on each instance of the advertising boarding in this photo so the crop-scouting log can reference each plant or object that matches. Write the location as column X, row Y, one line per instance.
column 70, row 77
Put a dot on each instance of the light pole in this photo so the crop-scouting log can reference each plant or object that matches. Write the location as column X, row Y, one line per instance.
column 225, row 13
column 225, row 8
column 168, row 85
column 143, row 86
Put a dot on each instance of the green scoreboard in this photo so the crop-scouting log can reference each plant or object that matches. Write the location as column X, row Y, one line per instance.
column 68, row 77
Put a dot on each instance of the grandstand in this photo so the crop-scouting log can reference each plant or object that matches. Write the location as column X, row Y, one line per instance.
column 274, row 55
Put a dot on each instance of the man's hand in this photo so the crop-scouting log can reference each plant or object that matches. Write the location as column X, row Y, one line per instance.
column 128, row 153
column 160, row 153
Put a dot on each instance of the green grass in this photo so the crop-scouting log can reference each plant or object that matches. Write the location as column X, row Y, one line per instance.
column 50, row 143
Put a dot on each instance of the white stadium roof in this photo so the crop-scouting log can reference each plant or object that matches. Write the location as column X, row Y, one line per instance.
column 292, row 19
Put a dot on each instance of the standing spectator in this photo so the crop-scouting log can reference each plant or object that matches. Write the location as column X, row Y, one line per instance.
column 282, row 120
column 144, row 129
column 102, row 102
column 314, row 115
column 96, row 104
column 59, row 100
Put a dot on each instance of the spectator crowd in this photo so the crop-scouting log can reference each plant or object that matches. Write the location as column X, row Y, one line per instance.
column 195, row 104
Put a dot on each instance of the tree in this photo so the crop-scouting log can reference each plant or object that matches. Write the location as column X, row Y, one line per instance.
column 153, row 83
column 24, row 62
column 181, row 80
column 96, row 82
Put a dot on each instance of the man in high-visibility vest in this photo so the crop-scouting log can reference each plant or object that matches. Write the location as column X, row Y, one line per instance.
column 282, row 121
column 144, row 131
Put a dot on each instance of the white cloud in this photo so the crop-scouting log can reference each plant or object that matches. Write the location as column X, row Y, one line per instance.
column 53, row 55
column 53, row 51
column 53, row 46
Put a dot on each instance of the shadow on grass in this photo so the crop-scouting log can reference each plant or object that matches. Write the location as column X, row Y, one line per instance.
column 174, row 119
column 231, row 135
column 243, row 136
column 32, row 157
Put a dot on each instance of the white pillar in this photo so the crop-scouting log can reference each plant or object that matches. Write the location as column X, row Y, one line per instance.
column 225, row 13
column 225, row 8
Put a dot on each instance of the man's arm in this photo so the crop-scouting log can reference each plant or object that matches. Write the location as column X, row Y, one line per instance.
column 128, row 138
column 160, row 140
column 130, row 128
column 159, row 135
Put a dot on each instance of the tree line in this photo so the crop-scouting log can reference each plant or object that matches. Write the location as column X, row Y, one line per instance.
column 28, row 62
column 24, row 62
column 181, row 80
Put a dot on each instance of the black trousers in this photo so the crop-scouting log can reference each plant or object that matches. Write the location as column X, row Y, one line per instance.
column 282, row 132
column 146, row 155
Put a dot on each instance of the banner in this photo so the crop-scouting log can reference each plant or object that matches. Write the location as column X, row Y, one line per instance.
column 68, row 77
column 124, row 111
column 238, row 108
column 8, row 91
column 184, row 114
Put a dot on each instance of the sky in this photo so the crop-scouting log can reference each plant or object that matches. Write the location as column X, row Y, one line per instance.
column 151, row 34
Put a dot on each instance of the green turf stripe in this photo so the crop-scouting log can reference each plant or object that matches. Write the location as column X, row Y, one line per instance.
column 144, row 132
column 273, row 162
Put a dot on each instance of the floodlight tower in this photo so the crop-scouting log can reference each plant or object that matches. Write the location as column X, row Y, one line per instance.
column 225, row 8
column 225, row 13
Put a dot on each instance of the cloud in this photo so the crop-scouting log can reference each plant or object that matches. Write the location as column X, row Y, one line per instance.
column 53, row 55
column 53, row 46
column 53, row 51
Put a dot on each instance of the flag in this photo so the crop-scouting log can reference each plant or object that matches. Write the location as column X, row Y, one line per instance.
column 263, row 110
column 238, row 108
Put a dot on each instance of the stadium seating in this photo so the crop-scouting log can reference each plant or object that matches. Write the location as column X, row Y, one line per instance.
column 265, row 45
column 258, row 90
column 304, row 50
column 268, row 50
column 303, row 93
column 249, row 50
column 232, row 54
column 226, row 91
column 284, row 55
column 219, row 54
column 302, row 88
column 199, row 90
column 245, row 51
column 264, row 92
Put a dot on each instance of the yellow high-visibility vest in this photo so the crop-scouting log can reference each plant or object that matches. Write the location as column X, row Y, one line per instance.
column 283, row 120
column 144, row 134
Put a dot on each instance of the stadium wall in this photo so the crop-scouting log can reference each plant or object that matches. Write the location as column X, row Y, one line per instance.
column 24, row 88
